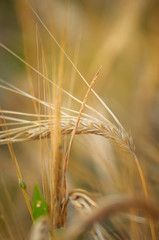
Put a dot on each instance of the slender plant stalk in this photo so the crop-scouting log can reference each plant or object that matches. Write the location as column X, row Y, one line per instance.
column 79, row 116
column 18, row 172
column 145, row 193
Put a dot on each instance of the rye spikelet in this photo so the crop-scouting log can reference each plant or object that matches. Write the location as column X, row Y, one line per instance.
column 86, row 126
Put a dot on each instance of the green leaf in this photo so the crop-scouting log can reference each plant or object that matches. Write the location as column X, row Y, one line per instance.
column 40, row 206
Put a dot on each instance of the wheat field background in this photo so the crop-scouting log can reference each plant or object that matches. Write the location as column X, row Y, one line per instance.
column 121, row 36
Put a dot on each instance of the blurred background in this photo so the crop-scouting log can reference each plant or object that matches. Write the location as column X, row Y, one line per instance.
column 123, row 37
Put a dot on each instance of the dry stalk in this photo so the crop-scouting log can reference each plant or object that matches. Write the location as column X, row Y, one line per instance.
column 84, row 205
column 107, row 210
column 16, row 165
column 79, row 116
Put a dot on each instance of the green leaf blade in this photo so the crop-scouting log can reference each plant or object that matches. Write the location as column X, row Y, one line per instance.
column 39, row 205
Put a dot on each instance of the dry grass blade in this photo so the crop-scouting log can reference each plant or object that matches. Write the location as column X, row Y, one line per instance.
column 107, row 210
column 79, row 116
column 16, row 165
column 84, row 205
